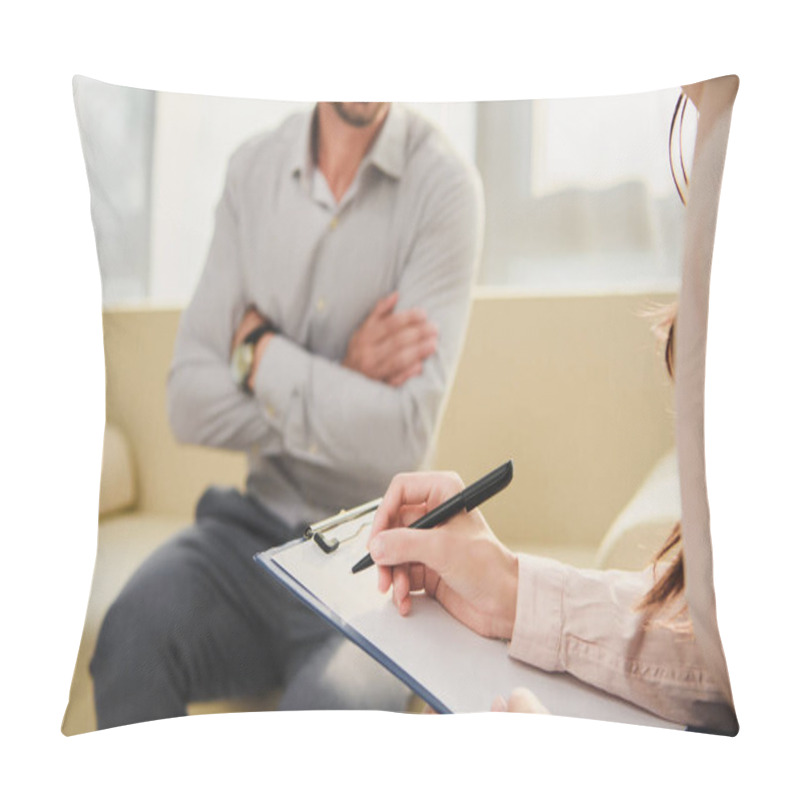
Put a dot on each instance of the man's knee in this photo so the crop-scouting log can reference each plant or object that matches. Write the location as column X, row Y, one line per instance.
column 151, row 616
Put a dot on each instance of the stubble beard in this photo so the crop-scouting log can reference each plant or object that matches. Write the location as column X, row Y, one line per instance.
column 359, row 115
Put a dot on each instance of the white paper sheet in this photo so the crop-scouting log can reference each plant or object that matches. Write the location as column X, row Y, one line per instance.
column 461, row 669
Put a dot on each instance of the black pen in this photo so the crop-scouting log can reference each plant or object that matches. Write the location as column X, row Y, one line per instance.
column 480, row 491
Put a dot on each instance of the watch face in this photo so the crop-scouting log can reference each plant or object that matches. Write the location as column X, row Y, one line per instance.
column 241, row 362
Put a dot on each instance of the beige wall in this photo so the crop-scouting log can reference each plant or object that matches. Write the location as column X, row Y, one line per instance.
column 573, row 389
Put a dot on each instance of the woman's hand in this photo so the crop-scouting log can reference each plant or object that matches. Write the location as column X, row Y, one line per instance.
column 461, row 563
column 522, row 701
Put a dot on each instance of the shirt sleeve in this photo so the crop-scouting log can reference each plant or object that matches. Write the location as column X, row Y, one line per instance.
column 341, row 420
column 307, row 406
column 584, row 622
column 205, row 405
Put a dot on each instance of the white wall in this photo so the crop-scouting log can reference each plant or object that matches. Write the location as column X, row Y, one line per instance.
column 194, row 136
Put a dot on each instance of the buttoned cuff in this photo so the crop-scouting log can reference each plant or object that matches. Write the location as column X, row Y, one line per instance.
column 280, row 376
column 538, row 623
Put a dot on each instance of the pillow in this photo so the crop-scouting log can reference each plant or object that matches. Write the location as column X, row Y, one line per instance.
column 117, row 476
column 715, row 107
column 540, row 237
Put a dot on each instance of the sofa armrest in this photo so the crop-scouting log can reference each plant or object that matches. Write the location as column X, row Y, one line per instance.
column 646, row 521
column 118, row 476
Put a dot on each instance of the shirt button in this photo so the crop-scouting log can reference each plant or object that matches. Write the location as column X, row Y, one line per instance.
column 271, row 410
column 322, row 304
column 313, row 450
column 334, row 223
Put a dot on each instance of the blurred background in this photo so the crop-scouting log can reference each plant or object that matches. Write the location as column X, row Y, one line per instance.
column 579, row 195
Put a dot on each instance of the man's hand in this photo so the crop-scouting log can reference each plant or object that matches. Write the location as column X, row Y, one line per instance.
column 391, row 346
column 252, row 319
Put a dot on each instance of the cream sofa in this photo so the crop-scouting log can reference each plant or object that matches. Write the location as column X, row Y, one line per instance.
column 573, row 389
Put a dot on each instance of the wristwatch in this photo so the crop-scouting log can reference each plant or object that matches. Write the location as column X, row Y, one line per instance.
column 244, row 353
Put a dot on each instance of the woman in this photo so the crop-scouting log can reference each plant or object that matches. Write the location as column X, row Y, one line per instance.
column 628, row 633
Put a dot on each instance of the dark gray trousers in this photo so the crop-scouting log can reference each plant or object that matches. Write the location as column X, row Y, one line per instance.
column 201, row 620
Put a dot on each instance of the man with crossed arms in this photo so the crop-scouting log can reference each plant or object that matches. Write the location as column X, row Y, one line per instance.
column 321, row 340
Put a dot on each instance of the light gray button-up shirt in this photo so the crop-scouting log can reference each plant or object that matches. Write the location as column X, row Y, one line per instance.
column 321, row 437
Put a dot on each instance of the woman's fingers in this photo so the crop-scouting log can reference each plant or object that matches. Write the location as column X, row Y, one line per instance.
column 423, row 489
column 525, row 701
column 410, row 514
column 406, row 546
column 384, row 579
column 402, row 589
column 499, row 703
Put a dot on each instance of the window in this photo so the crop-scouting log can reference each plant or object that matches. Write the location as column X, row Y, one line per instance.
column 579, row 195
column 117, row 125
column 580, row 198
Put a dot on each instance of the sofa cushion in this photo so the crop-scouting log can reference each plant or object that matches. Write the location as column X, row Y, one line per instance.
column 124, row 541
column 117, row 477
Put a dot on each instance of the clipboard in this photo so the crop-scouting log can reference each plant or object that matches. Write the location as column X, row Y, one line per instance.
column 452, row 668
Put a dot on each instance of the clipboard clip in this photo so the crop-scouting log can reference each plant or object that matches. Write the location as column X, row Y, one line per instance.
column 323, row 532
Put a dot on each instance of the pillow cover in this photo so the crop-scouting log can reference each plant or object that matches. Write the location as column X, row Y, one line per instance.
column 584, row 233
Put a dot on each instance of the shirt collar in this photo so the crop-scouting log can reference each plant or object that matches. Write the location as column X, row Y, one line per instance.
column 300, row 161
column 387, row 152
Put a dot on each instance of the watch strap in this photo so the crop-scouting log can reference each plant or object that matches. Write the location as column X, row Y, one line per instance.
column 257, row 333
column 251, row 339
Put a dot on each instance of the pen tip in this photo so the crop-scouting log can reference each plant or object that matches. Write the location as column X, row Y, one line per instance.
column 363, row 564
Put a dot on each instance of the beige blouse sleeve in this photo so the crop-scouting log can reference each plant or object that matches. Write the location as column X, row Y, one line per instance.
column 583, row 622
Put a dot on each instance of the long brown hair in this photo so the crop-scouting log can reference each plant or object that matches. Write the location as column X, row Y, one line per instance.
column 672, row 581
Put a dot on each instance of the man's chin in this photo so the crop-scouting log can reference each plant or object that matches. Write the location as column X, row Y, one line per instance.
column 359, row 115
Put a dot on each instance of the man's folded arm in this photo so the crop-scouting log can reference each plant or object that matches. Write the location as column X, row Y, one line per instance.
column 314, row 408
column 205, row 406
column 336, row 417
